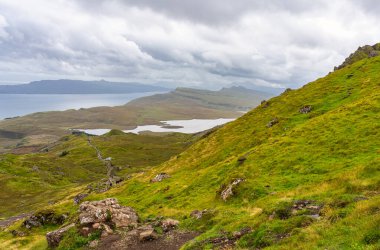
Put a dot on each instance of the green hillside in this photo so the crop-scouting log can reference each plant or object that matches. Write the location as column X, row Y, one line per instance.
column 31, row 181
column 308, row 163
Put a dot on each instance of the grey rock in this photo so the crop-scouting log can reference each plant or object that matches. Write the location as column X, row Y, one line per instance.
column 229, row 191
column 78, row 198
column 272, row 122
column 148, row 235
column 160, row 177
column 305, row 109
column 169, row 224
column 54, row 238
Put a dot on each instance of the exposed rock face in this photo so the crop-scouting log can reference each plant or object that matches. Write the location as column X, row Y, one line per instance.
column 44, row 218
column 53, row 238
column 78, row 198
column 229, row 191
column 306, row 109
column 272, row 122
column 366, row 51
column 107, row 211
column 160, row 177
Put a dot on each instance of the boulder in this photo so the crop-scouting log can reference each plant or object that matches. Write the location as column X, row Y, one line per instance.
column 169, row 224
column 160, row 177
column 229, row 191
column 148, row 235
column 198, row 214
column 107, row 211
column 53, row 238
column 78, row 198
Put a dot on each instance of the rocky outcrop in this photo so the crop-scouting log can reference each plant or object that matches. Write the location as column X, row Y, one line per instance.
column 363, row 52
column 54, row 238
column 44, row 218
column 107, row 211
column 160, row 177
column 229, row 190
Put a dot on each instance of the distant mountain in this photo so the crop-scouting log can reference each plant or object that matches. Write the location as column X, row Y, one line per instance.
column 78, row 87
column 235, row 98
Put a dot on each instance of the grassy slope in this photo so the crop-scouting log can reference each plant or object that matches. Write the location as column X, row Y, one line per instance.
column 180, row 104
column 330, row 155
column 25, row 189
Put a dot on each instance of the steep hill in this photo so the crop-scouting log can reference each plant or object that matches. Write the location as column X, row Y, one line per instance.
column 318, row 145
column 65, row 86
column 301, row 171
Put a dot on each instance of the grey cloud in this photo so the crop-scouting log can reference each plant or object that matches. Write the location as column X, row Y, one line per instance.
column 194, row 43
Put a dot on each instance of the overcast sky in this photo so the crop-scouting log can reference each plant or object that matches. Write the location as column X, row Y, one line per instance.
column 205, row 43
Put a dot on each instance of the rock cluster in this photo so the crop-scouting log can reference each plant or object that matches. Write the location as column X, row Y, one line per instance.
column 305, row 109
column 310, row 206
column 160, row 177
column 229, row 191
column 105, row 216
column 107, row 211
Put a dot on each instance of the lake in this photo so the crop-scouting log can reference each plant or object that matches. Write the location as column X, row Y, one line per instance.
column 181, row 126
column 12, row 105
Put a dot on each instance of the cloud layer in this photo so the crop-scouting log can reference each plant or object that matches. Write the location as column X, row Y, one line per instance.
column 188, row 43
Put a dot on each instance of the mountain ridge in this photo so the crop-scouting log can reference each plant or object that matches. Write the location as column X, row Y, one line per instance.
column 66, row 86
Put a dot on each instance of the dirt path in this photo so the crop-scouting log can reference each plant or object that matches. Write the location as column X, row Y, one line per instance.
column 98, row 153
column 13, row 219
column 106, row 161
column 170, row 241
